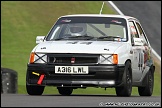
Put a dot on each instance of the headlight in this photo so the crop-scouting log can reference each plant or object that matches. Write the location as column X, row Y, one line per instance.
column 109, row 59
column 38, row 58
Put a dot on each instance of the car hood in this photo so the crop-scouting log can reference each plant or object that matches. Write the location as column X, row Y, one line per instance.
column 93, row 47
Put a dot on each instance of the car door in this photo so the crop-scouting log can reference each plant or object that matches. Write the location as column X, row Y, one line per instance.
column 146, row 49
column 137, row 54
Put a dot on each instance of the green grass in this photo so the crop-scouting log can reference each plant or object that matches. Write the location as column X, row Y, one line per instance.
column 22, row 21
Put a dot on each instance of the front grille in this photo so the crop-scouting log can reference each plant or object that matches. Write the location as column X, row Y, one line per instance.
column 72, row 58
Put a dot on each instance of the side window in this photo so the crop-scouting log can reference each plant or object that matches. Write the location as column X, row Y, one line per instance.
column 133, row 30
column 132, row 38
column 141, row 33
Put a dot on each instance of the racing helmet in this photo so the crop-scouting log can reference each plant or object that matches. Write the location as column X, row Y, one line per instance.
column 78, row 29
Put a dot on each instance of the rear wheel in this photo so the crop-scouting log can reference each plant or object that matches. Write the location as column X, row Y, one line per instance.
column 34, row 90
column 126, row 89
column 148, row 89
column 65, row 90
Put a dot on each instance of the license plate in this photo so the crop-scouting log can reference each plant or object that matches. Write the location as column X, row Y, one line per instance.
column 71, row 69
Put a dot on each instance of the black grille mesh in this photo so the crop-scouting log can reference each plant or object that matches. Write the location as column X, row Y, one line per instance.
column 72, row 58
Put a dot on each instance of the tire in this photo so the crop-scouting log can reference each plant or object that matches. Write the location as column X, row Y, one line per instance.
column 9, row 80
column 147, row 90
column 65, row 90
column 126, row 88
column 34, row 90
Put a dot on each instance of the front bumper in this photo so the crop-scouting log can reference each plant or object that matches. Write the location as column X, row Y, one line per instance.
column 98, row 76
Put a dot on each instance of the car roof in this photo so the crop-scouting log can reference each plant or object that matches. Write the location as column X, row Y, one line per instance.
column 101, row 15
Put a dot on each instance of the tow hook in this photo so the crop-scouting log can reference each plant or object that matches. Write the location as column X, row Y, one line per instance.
column 40, row 79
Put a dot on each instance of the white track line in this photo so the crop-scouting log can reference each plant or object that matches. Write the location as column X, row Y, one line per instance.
column 117, row 9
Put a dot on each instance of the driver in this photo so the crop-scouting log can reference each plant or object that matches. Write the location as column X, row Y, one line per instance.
column 78, row 29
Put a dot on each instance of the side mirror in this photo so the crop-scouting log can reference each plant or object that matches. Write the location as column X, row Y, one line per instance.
column 39, row 39
column 138, row 42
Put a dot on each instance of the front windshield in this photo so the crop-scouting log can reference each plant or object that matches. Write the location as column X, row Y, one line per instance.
column 89, row 28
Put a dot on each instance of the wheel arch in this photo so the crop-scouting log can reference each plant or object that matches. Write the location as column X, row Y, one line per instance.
column 130, row 69
column 152, row 68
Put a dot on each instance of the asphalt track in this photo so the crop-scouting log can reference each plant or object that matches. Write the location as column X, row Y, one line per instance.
column 149, row 14
column 23, row 100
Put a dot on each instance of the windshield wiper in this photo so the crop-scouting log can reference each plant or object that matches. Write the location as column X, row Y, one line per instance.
column 61, row 38
column 83, row 37
column 113, row 38
column 76, row 37
column 103, row 37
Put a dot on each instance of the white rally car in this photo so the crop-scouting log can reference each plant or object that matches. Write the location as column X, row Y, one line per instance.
column 92, row 50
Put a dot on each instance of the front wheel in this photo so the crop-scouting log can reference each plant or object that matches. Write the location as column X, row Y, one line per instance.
column 34, row 90
column 65, row 90
column 148, row 89
column 126, row 89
